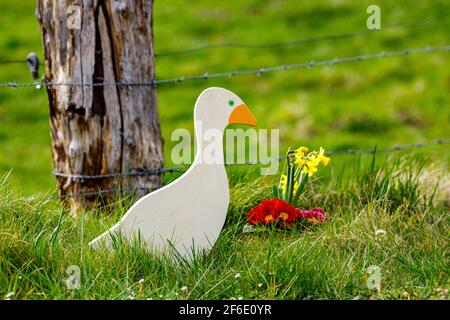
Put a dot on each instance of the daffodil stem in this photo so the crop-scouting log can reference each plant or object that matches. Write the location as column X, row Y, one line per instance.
column 290, row 183
column 303, row 181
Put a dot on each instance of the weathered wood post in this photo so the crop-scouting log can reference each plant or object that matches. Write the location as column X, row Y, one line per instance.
column 104, row 130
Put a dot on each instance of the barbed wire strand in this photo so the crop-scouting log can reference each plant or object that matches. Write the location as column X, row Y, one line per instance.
column 297, row 42
column 178, row 169
column 374, row 150
column 308, row 65
column 259, row 71
column 132, row 172
column 101, row 192
column 279, row 44
column 390, row 149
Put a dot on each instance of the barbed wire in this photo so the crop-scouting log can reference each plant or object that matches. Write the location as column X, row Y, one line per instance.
column 279, row 44
column 390, row 149
column 308, row 65
column 178, row 169
column 297, row 42
column 85, row 194
column 130, row 173
column 259, row 71
column 102, row 192
column 373, row 150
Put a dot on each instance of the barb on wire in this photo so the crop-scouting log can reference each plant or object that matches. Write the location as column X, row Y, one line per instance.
column 259, row 71
column 297, row 42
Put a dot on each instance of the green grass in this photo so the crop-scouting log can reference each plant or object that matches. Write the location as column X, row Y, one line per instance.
column 359, row 105
column 40, row 240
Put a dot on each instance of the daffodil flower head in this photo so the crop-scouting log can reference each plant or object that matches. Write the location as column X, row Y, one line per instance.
column 300, row 152
column 299, row 161
column 300, row 156
column 323, row 159
column 310, row 167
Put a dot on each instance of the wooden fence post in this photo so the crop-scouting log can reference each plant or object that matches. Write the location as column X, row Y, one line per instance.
column 108, row 129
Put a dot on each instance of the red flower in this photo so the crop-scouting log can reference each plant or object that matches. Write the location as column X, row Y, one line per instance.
column 314, row 216
column 271, row 211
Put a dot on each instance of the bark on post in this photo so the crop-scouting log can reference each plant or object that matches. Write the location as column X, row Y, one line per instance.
column 101, row 130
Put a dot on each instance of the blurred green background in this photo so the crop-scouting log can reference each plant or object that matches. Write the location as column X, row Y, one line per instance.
column 380, row 102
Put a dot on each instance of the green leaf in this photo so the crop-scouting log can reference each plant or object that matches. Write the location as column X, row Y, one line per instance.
column 303, row 181
column 290, row 183
column 276, row 191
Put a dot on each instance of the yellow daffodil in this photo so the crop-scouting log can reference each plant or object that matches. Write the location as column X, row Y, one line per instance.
column 300, row 162
column 323, row 159
column 300, row 156
column 307, row 163
column 310, row 166
column 311, row 161
column 300, row 152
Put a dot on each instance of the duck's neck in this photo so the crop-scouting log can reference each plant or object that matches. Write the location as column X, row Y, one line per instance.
column 209, row 141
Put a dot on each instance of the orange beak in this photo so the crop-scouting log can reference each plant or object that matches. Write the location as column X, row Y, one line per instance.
column 242, row 115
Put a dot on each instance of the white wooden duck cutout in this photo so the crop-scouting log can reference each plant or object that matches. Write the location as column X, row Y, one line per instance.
column 189, row 213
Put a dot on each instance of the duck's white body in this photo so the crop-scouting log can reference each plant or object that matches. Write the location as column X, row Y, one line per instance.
column 188, row 214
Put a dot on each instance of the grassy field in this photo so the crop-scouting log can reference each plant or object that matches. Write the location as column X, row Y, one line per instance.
column 39, row 241
column 359, row 105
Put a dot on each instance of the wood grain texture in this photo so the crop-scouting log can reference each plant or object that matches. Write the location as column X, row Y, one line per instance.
column 102, row 129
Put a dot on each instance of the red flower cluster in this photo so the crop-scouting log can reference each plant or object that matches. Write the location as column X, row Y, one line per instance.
column 271, row 211
column 276, row 210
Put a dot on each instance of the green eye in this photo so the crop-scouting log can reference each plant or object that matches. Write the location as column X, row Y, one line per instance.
column 231, row 103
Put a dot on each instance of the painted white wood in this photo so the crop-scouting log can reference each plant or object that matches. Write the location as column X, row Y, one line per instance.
column 190, row 212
